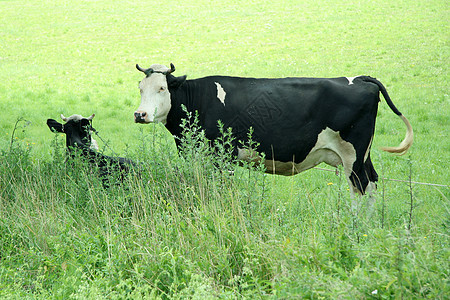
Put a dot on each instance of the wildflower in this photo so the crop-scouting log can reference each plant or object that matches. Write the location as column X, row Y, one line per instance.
column 365, row 235
column 329, row 183
column 374, row 292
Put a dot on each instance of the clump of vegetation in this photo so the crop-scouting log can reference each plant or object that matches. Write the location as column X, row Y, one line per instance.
column 183, row 227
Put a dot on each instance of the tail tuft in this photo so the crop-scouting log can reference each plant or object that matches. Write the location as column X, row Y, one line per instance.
column 407, row 141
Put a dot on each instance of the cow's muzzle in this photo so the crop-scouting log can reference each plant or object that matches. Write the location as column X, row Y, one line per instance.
column 140, row 117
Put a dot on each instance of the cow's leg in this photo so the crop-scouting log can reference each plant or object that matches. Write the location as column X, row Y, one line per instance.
column 349, row 174
column 358, row 177
column 371, row 187
column 371, row 175
column 358, row 168
column 360, row 135
column 361, row 177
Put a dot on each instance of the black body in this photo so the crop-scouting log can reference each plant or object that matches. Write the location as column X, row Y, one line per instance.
column 287, row 114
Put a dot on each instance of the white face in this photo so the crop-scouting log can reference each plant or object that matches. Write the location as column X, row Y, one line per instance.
column 155, row 99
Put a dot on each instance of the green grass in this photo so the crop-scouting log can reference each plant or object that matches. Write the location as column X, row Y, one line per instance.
column 183, row 229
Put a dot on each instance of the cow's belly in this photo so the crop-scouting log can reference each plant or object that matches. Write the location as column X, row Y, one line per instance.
column 330, row 148
column 314, row 158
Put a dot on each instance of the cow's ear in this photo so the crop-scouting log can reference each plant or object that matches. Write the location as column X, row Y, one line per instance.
column 54, row 125
column 175, row 82
column 84, row 123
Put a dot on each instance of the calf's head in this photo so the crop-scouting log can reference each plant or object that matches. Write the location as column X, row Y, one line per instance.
column 77, row 129
column 155, row 93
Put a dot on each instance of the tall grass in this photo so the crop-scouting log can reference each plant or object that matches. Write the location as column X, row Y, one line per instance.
column 182, row 226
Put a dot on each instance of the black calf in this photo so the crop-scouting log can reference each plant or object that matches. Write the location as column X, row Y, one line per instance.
column 79, row 139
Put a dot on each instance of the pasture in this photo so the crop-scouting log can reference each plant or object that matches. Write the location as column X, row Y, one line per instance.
column 182, row 229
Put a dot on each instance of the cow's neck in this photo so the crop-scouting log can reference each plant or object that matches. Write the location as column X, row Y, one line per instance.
column 184, row 95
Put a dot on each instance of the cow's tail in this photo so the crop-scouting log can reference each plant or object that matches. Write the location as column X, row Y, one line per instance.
column 409, row 137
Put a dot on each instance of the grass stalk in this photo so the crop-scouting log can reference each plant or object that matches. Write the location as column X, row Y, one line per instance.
column 411, row 194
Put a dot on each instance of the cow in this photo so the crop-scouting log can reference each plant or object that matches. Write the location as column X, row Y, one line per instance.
column 78, row 131
column 298, row 122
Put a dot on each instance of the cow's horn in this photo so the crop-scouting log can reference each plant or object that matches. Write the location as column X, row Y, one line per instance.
column 172, row 69
column 140, row 69
column 145, row 71
column 63, row 118
column 91, row 117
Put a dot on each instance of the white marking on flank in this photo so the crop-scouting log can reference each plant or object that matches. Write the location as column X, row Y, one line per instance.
column 220, row 93
column 368, row 149
column 330, row 148
column 350, row 80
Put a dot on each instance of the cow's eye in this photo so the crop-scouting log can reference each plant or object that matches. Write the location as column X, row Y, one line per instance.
column 162, row 89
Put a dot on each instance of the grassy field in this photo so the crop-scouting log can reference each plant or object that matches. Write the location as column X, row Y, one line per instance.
column 189, row 231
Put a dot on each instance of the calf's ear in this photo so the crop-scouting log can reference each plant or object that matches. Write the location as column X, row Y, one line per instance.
column 175, row 82
column 54, row 126
column 84, row 123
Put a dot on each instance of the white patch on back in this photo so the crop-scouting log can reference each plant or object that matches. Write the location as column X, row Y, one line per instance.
column 220, row 93
column 350, row 79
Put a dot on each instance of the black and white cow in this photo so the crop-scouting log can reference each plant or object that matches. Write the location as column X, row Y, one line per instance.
column 78, row 131
column 298, row 122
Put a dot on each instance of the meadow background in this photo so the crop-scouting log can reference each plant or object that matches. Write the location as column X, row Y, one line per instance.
column 189, row 231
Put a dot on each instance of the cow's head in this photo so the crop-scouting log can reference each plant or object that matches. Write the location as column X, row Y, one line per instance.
column 155, row 93
column 78, row 131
